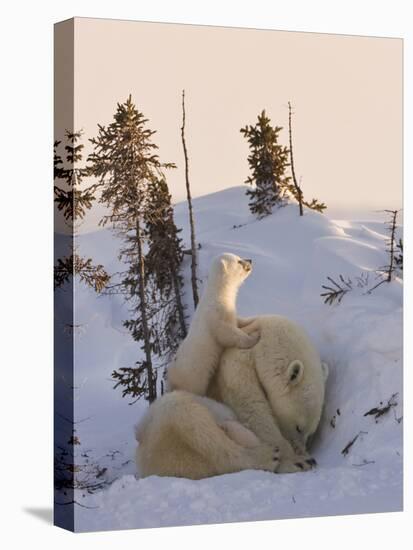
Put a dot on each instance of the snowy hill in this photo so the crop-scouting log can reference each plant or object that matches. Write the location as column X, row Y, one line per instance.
column 360, row 339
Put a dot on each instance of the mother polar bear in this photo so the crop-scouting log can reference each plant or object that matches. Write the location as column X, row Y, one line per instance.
column 262, row 405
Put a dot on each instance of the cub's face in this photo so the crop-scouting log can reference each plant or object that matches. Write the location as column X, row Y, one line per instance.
column 235, row 268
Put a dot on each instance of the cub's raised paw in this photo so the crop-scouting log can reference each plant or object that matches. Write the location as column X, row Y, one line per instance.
column 254, row 338
column 252, row 326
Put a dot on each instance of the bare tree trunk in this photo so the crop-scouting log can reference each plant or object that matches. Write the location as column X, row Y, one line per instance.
column 145, row 329
column 179, row 304
column 191, row 216
column 298, row 188
column 391, row 242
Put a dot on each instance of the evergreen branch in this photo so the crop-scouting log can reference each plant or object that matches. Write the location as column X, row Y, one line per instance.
column 377, row 412
column 347, row 448
column 337, row 292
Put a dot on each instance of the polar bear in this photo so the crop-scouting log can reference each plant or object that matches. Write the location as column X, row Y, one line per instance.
column 275, row 389
column 185, row 435
column 263, row 406
column 214, row 327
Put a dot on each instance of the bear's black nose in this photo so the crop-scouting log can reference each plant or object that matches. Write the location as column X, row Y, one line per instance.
column 247, row 265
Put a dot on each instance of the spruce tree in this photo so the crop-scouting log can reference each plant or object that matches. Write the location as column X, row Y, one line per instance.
column 268, row 161
column 165, row 255
column 73, row 200
column 163, row 288
column 125, row 162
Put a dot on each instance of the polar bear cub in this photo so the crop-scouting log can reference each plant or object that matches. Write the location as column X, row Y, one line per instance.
column 186, row 435
column 214, row 327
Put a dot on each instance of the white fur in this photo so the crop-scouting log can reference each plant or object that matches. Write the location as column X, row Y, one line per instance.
column 263, row 394
column 185, row 435
column 276, row 389
column 214, row 327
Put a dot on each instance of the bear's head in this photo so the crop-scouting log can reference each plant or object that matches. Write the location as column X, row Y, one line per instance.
column 293, row 377
column 230, row 268
column 299, row 402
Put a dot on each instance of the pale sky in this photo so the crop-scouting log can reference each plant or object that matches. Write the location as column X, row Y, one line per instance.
column 346, row 92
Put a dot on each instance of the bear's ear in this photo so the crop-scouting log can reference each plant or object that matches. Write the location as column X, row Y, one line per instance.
column 295, row 371
column 324, row 368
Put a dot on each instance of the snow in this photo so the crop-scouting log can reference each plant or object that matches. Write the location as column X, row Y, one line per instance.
column 360, row 339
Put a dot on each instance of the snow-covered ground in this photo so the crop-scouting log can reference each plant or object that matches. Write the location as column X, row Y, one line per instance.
column 360, row 339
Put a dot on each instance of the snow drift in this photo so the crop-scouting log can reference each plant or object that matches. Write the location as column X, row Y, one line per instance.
column 359, row 456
